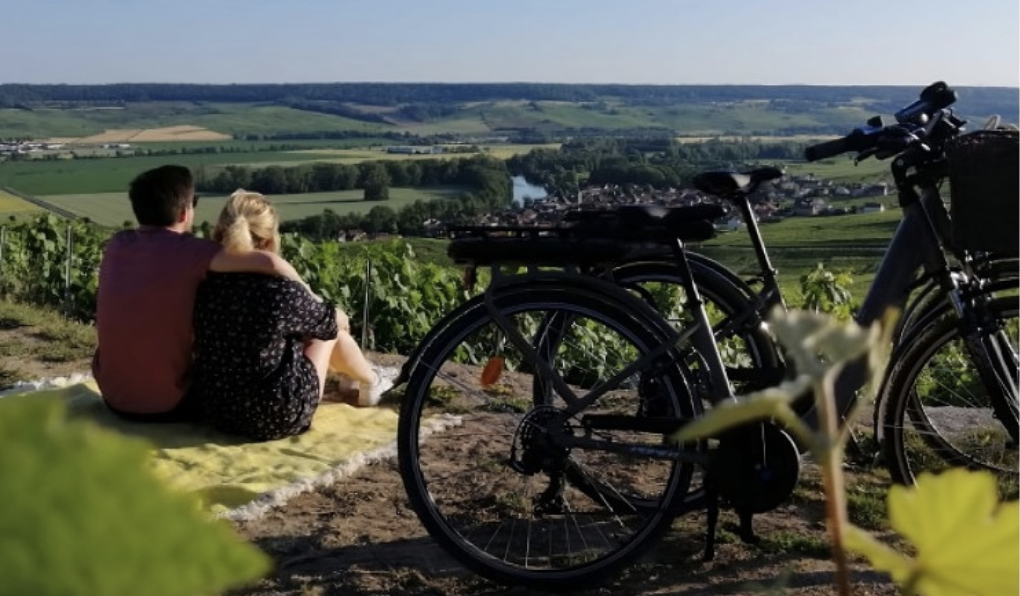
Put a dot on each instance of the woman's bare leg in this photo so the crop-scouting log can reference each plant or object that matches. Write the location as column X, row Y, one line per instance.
column 347, row 358
column 319, row 351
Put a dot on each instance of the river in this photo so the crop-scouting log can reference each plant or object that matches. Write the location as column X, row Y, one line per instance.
column 522, row 188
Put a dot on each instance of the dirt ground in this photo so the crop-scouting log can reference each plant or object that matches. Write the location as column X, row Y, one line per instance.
column 360, row 537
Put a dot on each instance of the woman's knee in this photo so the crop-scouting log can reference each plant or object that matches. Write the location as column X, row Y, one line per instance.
column 343, row 322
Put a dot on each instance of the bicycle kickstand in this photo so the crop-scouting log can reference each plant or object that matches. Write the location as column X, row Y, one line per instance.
column 744, row 513
column 712, row 520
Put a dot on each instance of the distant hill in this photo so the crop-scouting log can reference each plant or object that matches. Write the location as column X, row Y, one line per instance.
column 516, row 110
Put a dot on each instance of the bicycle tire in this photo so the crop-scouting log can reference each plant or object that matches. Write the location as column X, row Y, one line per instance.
column 999, row 276
column 929, row 424
column 460, row 519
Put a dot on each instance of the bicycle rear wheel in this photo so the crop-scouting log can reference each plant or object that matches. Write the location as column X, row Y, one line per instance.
column 942, row 411
column 491, row 489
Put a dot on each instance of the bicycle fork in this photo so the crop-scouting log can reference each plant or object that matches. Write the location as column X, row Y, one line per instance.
column 996, row 361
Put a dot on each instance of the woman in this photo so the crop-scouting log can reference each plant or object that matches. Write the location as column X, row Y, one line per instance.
column 264, row 344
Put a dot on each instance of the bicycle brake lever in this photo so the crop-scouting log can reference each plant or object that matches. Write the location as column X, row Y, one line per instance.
column 865, row 154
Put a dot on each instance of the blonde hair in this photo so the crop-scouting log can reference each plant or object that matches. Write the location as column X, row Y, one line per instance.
column 247, row 222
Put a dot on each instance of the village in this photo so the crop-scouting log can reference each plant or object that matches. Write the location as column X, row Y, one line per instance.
column 792, row 196
column 52, row 150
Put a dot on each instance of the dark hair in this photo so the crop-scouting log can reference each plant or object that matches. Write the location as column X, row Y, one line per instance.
column 159, row 196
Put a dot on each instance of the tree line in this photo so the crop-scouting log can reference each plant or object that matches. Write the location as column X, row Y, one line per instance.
column 487, row 178
column 653, row 161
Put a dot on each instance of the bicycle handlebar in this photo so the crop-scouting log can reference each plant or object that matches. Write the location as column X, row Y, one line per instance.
column 885, row 141
column 935, row 97
column 858, row 140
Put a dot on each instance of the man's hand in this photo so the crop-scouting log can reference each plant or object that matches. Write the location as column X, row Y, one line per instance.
column 258, row 261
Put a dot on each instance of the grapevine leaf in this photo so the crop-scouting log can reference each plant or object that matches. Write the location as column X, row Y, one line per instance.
column 82, row 515
column 763, row 405
column 967, row 543
column 814, row 340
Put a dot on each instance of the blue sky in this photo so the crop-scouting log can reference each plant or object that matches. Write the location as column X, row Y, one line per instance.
column 826, row 42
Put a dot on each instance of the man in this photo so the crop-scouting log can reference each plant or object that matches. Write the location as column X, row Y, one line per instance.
column 147, row 283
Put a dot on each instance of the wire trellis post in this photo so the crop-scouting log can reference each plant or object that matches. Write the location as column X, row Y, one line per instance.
column 365, row 307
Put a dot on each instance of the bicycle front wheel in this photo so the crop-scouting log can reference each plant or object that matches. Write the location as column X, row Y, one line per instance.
column 492, row 488
column 940, row 411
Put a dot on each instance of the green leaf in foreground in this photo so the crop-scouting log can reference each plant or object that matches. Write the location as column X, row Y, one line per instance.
column 82, row 515
column 772, row 403
column 967, row 542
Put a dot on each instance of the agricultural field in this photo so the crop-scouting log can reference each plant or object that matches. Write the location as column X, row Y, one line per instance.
column 834, row 232
column 15, row 205
column 735, row 118
column 87, row 176
column 180, row 133
column 360, row 154
column 842, row 169
column 471, row 119
column 113, row 208
column 851, row 243
column 847, row 243
column 103, row 175
column 232, row 120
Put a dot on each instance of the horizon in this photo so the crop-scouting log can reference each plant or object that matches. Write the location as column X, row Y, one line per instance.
column 909, row 43
column 580, row 84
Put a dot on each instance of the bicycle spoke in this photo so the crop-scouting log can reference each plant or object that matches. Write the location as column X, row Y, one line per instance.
column 944, row 415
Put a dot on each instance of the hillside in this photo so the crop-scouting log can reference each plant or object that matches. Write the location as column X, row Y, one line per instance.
column 517, row 111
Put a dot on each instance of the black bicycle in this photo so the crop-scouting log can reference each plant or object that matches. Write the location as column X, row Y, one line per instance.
column 562, row 385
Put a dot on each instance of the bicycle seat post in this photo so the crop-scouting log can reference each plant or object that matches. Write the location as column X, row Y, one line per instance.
column 768, row 274
column 714, row 376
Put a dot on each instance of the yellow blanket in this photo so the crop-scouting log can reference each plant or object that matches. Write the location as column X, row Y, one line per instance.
column 239, row 479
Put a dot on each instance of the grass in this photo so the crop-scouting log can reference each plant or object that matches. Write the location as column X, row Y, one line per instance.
column 813, row 545
column 112, row 209
column 45, row 335
column 866, row 505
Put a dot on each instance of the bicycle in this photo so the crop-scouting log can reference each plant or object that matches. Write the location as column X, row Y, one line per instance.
column 571, row 478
